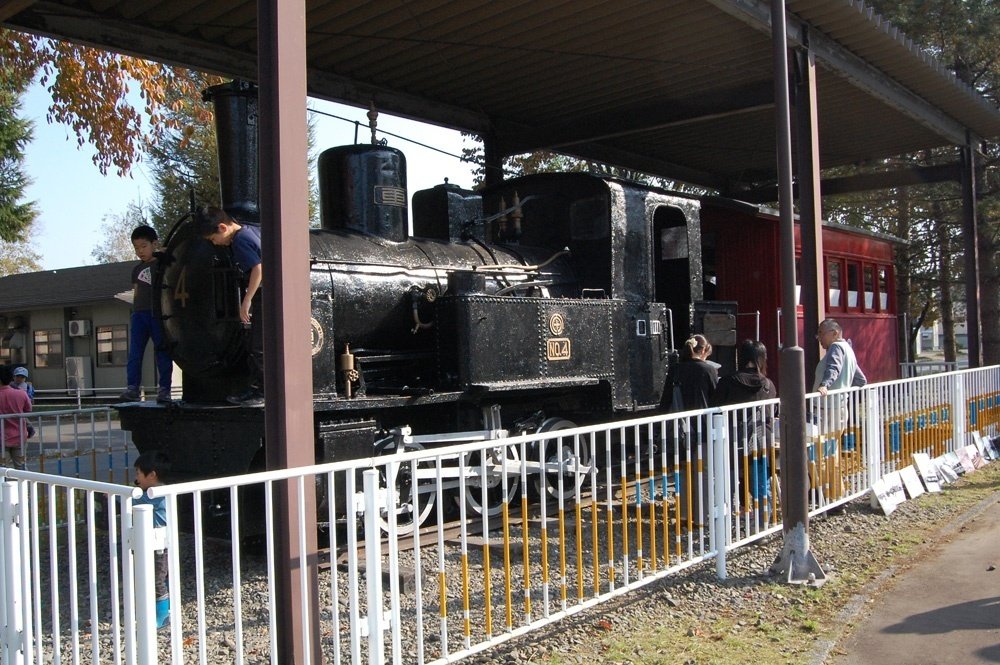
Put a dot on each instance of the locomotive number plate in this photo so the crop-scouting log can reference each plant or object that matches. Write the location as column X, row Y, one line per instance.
column 557, row 348
column 390, row 196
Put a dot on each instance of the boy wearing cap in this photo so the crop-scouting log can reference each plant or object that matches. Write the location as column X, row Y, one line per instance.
column 21, row 382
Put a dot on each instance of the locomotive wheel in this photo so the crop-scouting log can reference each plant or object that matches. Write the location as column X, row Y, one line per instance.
column 499, row 456
column 548, row 481
column 414, row 500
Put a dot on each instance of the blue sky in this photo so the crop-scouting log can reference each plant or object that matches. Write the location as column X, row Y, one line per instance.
column 73, row 198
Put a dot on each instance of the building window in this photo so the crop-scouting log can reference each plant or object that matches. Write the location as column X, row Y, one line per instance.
column 112, row 346
column 49, row 348
column 12, row 348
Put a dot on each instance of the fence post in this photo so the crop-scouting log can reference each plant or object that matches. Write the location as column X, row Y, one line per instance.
column 720, row 505
column 959, row 411
column 874, row 439
column 13, row 648
column 373, row 567
column 145, row 596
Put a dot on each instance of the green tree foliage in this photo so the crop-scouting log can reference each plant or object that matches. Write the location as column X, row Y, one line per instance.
column 964, row 35
column 116, row 231
column 16, row 214
column 185, row 162
column 19, row 257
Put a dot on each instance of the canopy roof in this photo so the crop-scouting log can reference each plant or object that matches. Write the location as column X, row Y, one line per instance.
column 679, row 88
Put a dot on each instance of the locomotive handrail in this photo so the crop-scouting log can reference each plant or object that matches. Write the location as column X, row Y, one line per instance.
column 509, row 209
column 523, row 285
column 670, row 320
column 513, row 266
column 755, row 314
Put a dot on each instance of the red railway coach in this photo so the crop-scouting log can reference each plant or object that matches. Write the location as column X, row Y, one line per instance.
column 740, row 247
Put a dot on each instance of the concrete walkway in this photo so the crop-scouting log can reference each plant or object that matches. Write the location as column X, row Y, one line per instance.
column 944, row 609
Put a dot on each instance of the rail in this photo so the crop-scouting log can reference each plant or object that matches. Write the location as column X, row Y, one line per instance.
column 911, row 370
column 438, row 552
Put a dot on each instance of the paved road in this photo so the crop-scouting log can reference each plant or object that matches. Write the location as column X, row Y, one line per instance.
column 943, row 610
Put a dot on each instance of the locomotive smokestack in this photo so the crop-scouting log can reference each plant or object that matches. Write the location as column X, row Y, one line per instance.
column 236, row 137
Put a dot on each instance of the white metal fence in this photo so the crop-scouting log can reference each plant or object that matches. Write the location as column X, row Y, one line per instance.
column 435, row 552
column 84, row 443
column 910, row 370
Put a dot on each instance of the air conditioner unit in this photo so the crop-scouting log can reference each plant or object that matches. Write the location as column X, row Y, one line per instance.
column 79, row 328
column 79, row 375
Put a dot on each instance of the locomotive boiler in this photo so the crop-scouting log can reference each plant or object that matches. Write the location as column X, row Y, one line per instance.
column 540, row 303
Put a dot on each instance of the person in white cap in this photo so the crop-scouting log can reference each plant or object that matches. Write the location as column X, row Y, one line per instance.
column 13, row 431
column 21, row 382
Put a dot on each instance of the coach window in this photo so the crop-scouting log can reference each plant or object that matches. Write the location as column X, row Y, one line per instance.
column 798, row 281
column 883, row 288
column 49, row 348
column 853, row 282
column 869, row 273
column 833, row 283
column 112, row 346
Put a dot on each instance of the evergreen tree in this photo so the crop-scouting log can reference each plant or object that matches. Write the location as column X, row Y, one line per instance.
column 16, row 214
column 185, row 161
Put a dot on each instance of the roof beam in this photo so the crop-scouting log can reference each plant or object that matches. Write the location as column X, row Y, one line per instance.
column 864, row 182
column 10, row 8
column 838, row 59
column 100, row 32
column 746, row 99
column 644, row 163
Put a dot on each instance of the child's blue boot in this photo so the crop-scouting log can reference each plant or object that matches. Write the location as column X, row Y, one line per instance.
column 162, row 612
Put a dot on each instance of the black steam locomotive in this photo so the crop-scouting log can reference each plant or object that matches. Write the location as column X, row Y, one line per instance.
column 543, row 302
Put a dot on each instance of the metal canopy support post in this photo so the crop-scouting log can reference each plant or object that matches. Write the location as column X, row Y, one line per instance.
column 812, row 279
column 970, row 232
column 288, row 416
column 796, row 562
column 492, row 160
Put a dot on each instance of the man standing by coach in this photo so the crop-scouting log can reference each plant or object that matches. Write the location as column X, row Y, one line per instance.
column 839, row 367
